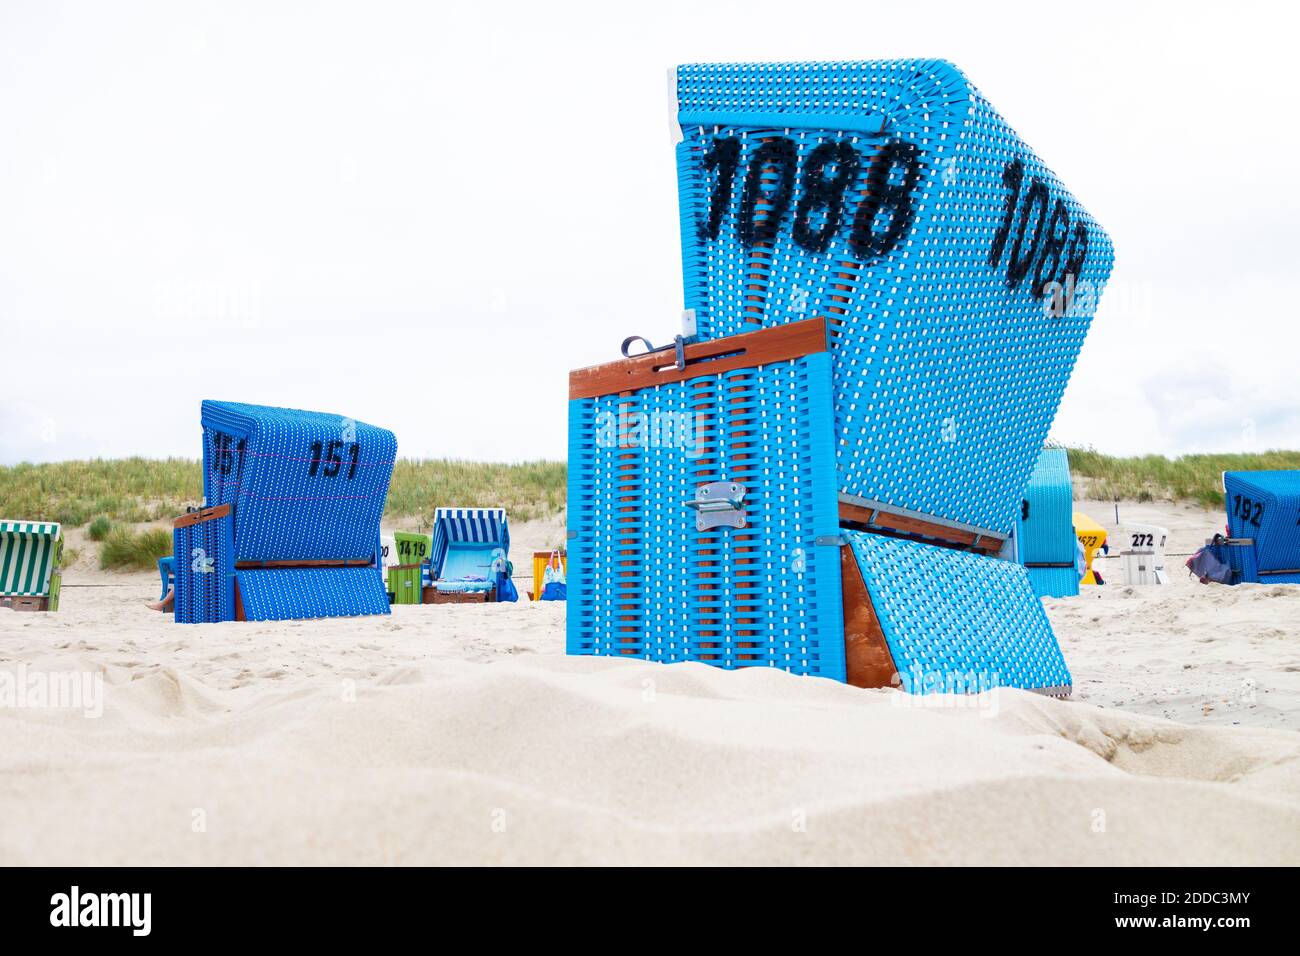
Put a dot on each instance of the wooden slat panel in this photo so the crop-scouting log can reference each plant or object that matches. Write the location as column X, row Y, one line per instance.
column 314, row 563
column 867, row 660
column 778, row 344
column 861, row 517
column 197, row 517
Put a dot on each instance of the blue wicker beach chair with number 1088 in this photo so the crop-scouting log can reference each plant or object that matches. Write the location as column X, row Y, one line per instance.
column 885, row 292
column 290, row 527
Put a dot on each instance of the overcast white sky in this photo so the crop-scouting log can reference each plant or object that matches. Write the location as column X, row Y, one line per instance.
column 424, row 217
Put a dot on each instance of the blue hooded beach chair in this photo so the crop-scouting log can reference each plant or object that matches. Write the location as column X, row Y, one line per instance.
column 1045, row 541
column 290, row 527
column 471, row 552
column 885, row 293
column 1263, row 545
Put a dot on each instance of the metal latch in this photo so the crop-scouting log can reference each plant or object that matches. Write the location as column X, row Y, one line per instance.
column 719, row 504
column 679, row 345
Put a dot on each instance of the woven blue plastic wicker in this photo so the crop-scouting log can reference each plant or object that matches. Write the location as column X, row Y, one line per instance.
column 1054, row 582
column 1264, row 506
column 204, row 571
column 956, row 621
column 306, row 485
column 645, row 581
column 1045, row 536
column 281, row 594
column 890, row 198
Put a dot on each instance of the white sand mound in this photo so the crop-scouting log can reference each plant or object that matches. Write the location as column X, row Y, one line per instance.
column 548, row 759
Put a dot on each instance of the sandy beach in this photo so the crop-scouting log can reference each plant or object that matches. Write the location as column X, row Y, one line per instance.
column 462, row 734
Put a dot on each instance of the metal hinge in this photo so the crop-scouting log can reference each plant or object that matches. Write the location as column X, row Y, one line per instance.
column 718, row 504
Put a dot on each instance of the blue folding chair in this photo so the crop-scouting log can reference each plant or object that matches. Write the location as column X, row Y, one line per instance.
column 167, row 571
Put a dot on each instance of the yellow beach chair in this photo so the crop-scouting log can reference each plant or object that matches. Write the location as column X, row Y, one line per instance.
column 1093, row 538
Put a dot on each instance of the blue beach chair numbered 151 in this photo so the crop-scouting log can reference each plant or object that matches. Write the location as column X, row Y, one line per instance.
column 886, row 291
column 290, row 527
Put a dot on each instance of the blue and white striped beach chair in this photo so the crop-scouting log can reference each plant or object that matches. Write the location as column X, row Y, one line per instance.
column 1263, row 544
column 1045, row 541
column 470, row 546
column 30, row 552
column 885, row 293
column 291, row 527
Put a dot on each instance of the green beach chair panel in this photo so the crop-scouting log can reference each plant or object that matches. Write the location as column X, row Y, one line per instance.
column 29, row 555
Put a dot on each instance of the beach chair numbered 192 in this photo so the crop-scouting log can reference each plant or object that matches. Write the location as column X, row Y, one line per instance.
column 1263, row 545
column 291, row 523
column 885, row 293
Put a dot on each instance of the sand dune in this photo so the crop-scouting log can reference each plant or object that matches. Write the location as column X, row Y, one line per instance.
column 458, row 734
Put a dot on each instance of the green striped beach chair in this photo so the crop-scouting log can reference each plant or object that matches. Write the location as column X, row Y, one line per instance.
column 30, row 552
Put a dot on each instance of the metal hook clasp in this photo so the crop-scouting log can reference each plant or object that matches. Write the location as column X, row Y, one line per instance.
column 679, row 343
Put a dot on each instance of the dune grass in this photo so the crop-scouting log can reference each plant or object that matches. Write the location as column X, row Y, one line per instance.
column 128, row 550
column 534, row 489
column 129, row 490
column 1190, row 478
column 138, row 490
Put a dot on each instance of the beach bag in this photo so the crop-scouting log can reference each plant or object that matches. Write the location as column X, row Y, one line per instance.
column 553, row 583
column 1207, row 566
column 504, row 570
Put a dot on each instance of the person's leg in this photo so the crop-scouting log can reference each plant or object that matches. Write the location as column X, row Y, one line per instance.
column 166, row 603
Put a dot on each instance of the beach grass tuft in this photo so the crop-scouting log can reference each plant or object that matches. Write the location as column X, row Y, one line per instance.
column 1186, row 478
column 128, row 550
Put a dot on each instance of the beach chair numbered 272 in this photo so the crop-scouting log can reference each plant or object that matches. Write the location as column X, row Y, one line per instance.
column 1142, row 553
column 819, row 473
column 291, row 523
column 30, row 554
